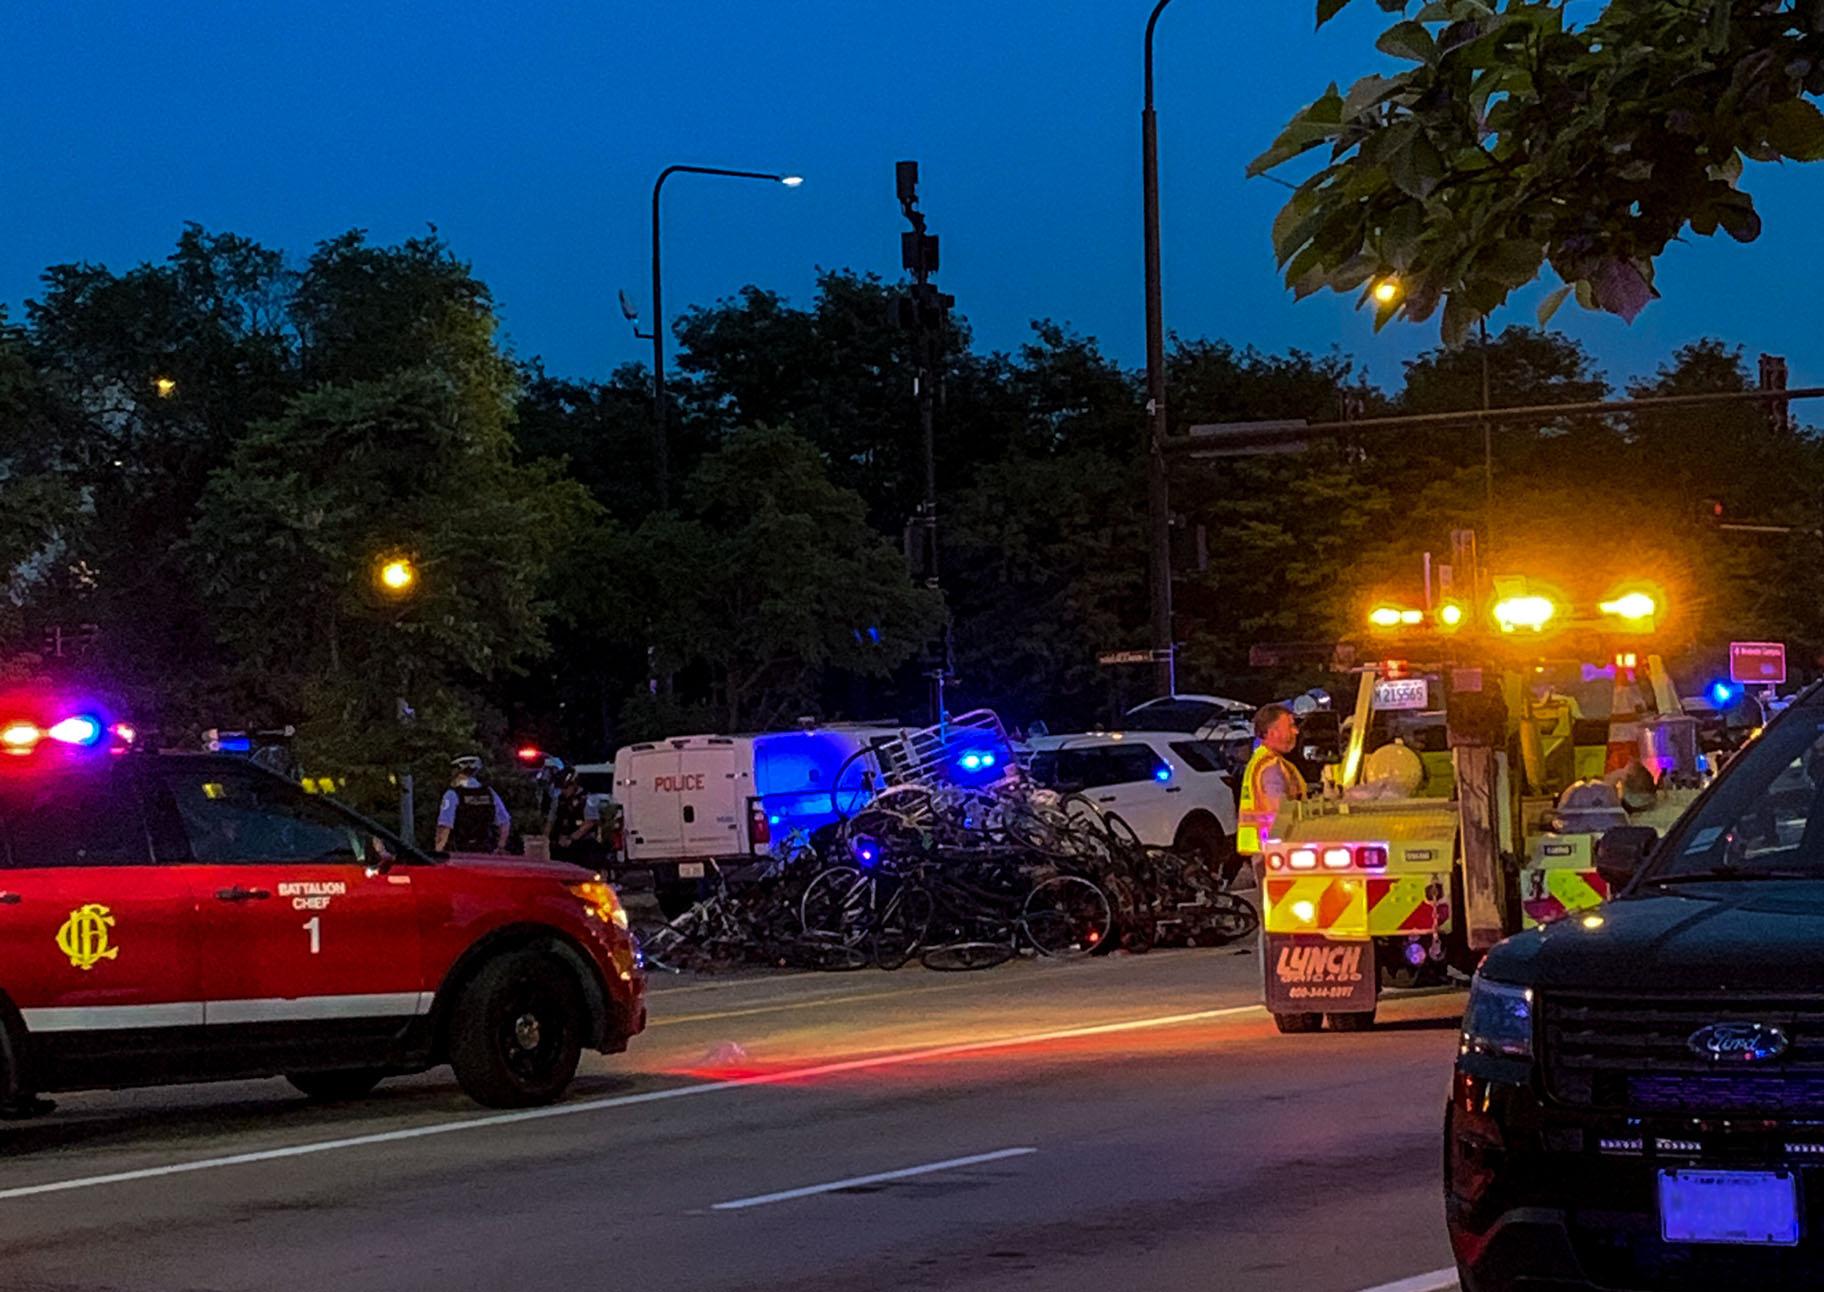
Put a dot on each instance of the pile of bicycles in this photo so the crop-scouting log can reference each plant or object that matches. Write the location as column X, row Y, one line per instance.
column 958, row 878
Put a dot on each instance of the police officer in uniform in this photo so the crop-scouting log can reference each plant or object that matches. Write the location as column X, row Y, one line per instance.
column 1271, row 777
column 471, row 817
column 574, row 822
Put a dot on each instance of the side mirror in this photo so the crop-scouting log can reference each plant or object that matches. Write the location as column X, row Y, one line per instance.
column 1620, row 852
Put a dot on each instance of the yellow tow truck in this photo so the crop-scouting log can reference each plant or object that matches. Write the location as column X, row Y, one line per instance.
column 1470, row 794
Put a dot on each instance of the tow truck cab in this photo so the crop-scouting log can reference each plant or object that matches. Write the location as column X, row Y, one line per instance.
column 1432, row 851
column 1638, row 1100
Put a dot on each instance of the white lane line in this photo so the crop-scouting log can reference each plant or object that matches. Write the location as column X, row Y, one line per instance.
column 1436, row 1281
column 891, row 1059
column 810, row 1190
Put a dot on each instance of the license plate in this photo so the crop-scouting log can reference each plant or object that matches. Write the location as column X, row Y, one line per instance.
column 690, row 870
column 1758, row 1207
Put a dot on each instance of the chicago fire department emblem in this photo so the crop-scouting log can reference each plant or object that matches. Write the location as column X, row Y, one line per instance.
column 84, row 936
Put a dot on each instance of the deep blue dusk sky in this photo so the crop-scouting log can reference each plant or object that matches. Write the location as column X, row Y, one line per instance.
column 530, row 135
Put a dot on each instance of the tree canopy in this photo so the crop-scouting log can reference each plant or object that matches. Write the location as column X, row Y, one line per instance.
column 205, row 459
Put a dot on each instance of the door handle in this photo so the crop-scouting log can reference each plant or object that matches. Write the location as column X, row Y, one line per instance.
column 1105, row 798
column 1174, row 789
column 239, row 894
column 9, row 899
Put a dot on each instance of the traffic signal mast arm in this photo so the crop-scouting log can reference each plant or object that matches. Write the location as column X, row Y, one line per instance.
column 1259, row 437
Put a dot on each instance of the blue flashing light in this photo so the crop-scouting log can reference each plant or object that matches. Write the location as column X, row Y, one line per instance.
column 773, row 818
column 234, row 745
column 976, row 760
column 1163, row 774
column 1723, row 694
column 79, row 730
column 866, row 850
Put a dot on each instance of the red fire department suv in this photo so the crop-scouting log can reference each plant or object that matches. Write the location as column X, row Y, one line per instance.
column 178, row 917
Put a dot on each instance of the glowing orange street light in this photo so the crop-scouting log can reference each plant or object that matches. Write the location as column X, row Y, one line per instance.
column 397, row 575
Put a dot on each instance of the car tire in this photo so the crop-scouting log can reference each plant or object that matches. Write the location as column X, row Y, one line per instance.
column 1204, row 839
column 1293, row 1024
column 335, row 1087
column 517, row 1033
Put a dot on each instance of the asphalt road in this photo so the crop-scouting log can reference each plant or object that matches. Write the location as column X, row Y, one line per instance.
column 1130, row 1122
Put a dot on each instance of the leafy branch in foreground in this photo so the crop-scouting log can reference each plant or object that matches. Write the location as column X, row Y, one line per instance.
column 1515, row 140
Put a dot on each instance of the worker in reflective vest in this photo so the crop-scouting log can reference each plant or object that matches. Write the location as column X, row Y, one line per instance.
column 1271, row 777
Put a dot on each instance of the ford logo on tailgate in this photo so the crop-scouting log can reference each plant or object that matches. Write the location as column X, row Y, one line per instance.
column 1738, row 1042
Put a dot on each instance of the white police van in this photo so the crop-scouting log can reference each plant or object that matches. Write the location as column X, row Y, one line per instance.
column 689, row 801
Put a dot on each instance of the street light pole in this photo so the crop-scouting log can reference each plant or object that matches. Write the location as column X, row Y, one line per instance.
column 1158, row 497
column 661, row 444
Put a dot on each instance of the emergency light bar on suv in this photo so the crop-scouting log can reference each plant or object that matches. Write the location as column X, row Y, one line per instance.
column 21, row 736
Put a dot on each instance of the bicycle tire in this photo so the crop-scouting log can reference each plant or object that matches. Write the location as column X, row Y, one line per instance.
column 1230, row 920
column 966, row 957
column 901, row 929
column 824, row 909
column 1066, row 916
column 856, row 797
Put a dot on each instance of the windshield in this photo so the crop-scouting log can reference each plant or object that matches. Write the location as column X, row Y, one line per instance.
column 1766, row 813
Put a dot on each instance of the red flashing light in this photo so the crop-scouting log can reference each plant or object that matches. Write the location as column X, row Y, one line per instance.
column 1371, row 857
column 529, row 754
column 1394, row 669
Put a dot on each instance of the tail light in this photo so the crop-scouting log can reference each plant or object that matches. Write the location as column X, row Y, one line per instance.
column 759, row 829
column 1338, row 859
column 1371, row 857
column 1304, row 859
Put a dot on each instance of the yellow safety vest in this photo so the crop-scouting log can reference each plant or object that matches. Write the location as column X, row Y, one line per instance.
column 1253, row 822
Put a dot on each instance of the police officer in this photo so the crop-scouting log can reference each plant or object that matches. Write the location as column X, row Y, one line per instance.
column 1271, row 777
column 574, row 822
column 471, row 817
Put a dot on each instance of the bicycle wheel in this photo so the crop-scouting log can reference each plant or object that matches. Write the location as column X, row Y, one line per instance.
column 901, row 928
column 962, row 957
column 1229, row 919
column 854, row 784
column 1066, row 916
column 833, row 957
column 834, row 907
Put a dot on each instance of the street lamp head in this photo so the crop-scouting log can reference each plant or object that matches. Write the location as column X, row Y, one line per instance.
column 397, row 575
column 1388, row 290
column 165, row 386
column 791, row 181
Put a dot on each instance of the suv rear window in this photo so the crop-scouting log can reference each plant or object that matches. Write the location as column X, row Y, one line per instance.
column 86, row 818
column 1200, row 755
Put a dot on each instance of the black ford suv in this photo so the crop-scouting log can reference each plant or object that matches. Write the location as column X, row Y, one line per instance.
column 1638, row 1100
